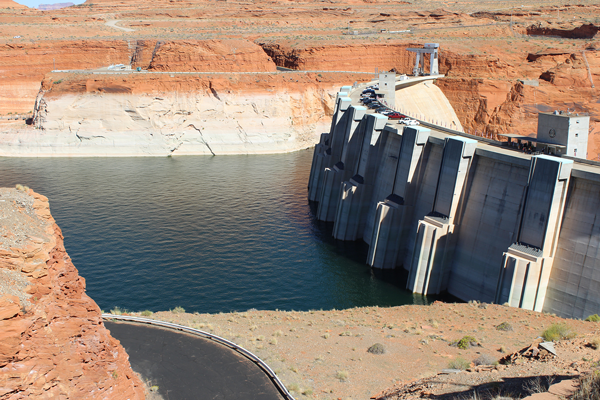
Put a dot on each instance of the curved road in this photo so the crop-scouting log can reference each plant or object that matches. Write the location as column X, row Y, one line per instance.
column 113, row 24
column 185, row 366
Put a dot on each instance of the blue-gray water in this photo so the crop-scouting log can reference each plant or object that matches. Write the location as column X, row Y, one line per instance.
column 208, row 234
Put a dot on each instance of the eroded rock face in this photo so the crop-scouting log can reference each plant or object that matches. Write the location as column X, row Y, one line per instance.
column 53, row 343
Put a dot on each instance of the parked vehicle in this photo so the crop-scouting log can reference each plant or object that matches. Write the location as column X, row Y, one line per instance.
column 395, row 115
column 368, row 91
column 374, row 104
column 381, row 109
column 367, row 100
column 409, row 122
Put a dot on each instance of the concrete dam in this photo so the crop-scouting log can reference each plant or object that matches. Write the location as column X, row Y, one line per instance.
column 465, row 215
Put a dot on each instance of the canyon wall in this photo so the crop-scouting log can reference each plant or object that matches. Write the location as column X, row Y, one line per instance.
column 24, row 64
column 159, row 115
column 53, row 343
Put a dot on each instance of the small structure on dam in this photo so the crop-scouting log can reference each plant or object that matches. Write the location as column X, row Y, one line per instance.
column 429, row 48
column 461, row 214
column 558, row 133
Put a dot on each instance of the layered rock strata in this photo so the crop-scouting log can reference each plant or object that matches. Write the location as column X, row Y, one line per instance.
column 176, row 114
column 53, row 343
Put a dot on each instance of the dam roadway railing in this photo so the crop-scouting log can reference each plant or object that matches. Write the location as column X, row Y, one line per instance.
column 260, row 363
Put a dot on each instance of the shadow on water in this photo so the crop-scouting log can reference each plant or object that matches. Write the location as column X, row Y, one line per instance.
column 357, row 253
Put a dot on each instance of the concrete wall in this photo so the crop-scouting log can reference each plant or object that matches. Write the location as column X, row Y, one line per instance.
column 488, row 224
column 574, row 286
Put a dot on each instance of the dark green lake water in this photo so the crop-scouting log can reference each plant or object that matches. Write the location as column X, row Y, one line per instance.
column 209, row 234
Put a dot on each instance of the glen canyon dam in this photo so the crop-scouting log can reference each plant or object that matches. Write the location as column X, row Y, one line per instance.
column 299, row 200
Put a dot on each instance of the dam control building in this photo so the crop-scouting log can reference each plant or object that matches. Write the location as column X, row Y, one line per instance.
column 466, row 215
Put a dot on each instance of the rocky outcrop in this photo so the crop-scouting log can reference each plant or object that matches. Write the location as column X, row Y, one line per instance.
column 585, row 31
column 53, row 343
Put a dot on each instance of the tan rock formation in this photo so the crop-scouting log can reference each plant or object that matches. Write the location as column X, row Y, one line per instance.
column 53, row 343
column 162, row 114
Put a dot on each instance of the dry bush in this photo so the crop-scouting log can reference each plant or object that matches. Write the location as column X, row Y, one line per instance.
column 589, row 387
column 377, row 348
column 485, row 359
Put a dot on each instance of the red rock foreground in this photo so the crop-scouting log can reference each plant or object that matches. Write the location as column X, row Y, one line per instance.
column 53, row 344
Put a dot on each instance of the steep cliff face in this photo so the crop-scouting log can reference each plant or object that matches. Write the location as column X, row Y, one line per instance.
column 502, row 104
column 231, row 55
column 53, row 343
column 25, row 64
column 330, row 57
column 160, row 114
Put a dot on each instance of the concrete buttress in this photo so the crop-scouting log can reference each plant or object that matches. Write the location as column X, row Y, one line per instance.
column 428, row 271
column 386, row 174
column 348, row 153
column 527, row 264
column 323, row 155
column 388, row 224
column 356, row 192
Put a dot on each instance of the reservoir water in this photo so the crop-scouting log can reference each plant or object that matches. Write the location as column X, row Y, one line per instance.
column 209, row 234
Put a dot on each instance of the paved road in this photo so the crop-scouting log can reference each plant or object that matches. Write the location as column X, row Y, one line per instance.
column 186, row 367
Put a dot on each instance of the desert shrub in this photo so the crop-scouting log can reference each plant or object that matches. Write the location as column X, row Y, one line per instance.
column 593, row 318
column 342, row 375
column 485, row 359
column 293, row 387
column 505, row 327
column 146, row 313
column 538, row 385
column 178, row 310
column 595, row 343
column 466, row 342
column 558, row 332
column 116, row 311
column 459, row 363
column 589, row 387
column 377, row 348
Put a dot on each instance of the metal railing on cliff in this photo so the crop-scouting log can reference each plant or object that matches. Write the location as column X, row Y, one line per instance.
column 260, row 363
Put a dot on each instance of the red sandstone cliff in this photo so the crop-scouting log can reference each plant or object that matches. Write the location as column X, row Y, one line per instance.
column 230, row 55
column 53, row 343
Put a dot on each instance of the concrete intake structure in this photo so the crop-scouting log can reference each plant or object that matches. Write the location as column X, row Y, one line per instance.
column 470, row 217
